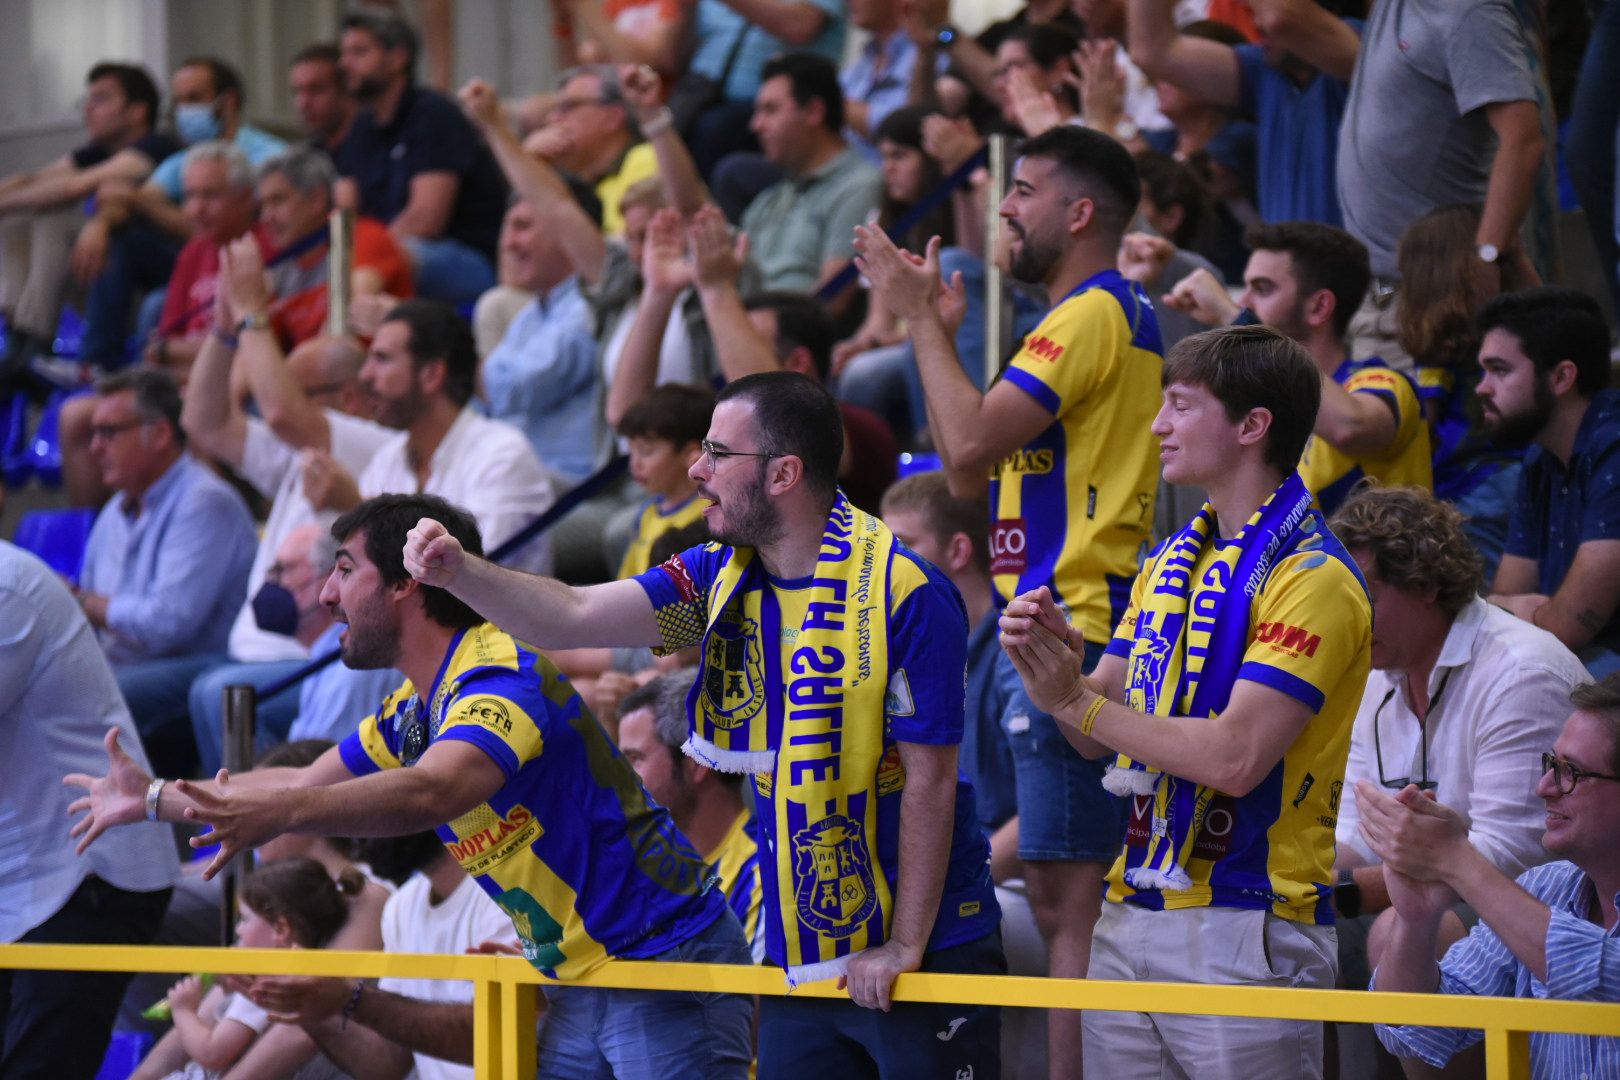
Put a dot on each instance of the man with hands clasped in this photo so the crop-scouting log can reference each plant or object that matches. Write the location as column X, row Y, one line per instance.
column 1226, row 698
column 1553, row 933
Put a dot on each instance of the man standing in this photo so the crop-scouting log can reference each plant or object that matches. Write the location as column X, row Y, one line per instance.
column 1226, row 700
column 57, row 699
column 1549, row 934
column 411, row 159
column 707, row 805
column 487, row 743
column 848, row 720
column 1545, row 356
column 1063, row 439
column 1306, row 279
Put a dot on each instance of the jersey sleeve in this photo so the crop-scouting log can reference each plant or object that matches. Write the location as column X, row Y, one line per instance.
column 678, row 589
column 372, row 747
column 496, row 713
column 927, row 696
column 1310, row 622
column 1068, row 355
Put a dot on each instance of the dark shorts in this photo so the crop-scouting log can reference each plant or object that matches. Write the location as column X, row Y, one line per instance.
column 834, row 1037
column 1064, row 813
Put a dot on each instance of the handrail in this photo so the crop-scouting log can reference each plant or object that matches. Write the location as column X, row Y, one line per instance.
column 504, row 1001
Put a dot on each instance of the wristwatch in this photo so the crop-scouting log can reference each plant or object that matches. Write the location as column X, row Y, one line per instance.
column 257, row 320
column 947, row 36
column 1347, row 896
column 1488, row 253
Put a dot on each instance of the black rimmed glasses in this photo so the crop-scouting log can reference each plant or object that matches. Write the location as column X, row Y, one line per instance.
column 715, row 453
column 1568, row 773
column 1399, row 782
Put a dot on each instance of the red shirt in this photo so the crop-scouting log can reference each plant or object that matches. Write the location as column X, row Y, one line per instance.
column 188, row 309
column 303, row 314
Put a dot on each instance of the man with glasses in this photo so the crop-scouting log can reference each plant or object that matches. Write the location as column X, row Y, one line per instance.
column 590, row 136
column 167, row 559
column 1461, row 699
column 1552, row 933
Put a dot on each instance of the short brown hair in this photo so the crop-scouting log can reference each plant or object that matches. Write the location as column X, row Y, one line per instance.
column 1416, row 542
column 1323, row 257
column 1254, row 367
column 946, row 514
column 1602, row 699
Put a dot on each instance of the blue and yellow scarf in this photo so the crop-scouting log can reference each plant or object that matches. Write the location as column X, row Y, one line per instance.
column 1185, row 666
column 816, row 733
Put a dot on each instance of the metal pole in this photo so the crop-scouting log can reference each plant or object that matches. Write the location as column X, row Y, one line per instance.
column 996, row 324
column 241, row 702
column 339, row 271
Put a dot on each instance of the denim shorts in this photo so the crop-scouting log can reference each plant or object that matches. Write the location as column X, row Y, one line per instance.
column 1064, row 814
column 597, row 1033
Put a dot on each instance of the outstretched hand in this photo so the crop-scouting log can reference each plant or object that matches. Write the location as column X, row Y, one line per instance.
column 118, row 798
column 239, row 819
column 432, row 555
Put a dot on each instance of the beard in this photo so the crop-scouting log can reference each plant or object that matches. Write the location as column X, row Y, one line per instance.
column 1517, row 429
column 401, row 412
column 368, row 88
column 1035, row 257
column 751, row 520
column 371, row 644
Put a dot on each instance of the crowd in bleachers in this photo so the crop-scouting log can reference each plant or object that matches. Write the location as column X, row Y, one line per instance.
column 718, row 192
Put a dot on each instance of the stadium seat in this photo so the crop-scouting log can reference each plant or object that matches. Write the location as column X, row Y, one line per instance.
column 58, row 537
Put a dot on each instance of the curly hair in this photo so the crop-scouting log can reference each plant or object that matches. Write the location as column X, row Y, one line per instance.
column 1416, row 542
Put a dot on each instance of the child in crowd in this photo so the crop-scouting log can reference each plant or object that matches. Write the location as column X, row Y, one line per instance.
column 287, row 904
column 665, row 430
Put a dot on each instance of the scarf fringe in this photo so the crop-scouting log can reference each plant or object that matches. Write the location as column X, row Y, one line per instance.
column 1120, row 780
column 799, row 974
column 711, row 756
column 1174, row 879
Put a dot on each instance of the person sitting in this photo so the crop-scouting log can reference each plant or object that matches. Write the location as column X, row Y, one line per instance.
column 1460, row 698
column 1306, row 280
column 665, row 434
column 878, row 80
column 708, row 806
column 286, row 904
column 591, row 137
column 411, row 159
column 40, row 212
column 1549, row 933
column 320, row 96
column 166, row 564
column 1545, row 358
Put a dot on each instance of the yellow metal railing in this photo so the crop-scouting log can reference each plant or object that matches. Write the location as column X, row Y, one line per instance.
column 506, row 988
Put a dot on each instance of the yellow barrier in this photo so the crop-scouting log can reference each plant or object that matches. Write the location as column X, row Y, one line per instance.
column 505, row 991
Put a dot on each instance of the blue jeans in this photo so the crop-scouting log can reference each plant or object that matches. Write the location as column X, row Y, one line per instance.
column 449, row 271
column 602, row 1033
column 1592, row 142
column 273, row 716
column 140, row 256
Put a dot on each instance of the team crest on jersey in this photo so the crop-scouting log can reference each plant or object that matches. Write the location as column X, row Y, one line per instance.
column 733, row 672
column 539, row 933
column 836, row 892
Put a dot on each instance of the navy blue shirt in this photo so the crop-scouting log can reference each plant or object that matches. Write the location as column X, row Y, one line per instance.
column 985, row 756
column 1560, row 508
column 427, row 134
column 1298, row 129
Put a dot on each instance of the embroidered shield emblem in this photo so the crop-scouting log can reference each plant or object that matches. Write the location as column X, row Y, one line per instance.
column 1150, row 660
column 733, row 672
column 833, row 867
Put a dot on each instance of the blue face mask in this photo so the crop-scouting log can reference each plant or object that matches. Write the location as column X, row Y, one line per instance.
column 275, row 610
column 196, row 123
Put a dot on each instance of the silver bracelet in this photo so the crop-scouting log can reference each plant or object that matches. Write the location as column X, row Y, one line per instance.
column 661, row 122
column 154, row 791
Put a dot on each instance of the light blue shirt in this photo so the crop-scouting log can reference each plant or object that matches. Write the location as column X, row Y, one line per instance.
column 57, row 700
column 175, row 569
column 543, row 378
column 256, row 144
column 333, row 701
column 718, row 27
column 1583, row 964
column 879, row 76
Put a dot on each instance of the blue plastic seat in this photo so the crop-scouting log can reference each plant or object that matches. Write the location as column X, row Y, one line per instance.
column 124, row 1054
column 911, row 464
column 58, row 537
column 44, row 450
column 14, row 465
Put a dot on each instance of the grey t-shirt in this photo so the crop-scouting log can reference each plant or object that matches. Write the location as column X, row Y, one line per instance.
column 1415, row 135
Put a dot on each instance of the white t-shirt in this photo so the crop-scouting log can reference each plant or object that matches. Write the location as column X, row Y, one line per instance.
column 484, row 466
column 271, row 466
column 412, row 923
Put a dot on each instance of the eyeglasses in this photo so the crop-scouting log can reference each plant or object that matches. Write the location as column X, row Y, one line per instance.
column 715, row 454
column 1569, row 774
column 108, row 431
column 1399, row 782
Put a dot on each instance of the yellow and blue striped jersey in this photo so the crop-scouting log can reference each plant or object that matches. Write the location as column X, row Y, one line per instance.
column 1073, row 508
column 736, row 860
column 652, row 524
column 1330, row 473
column 571, row 847
column 1310, row 637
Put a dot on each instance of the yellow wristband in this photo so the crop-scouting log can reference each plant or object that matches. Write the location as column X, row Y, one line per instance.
column 1091, row 714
